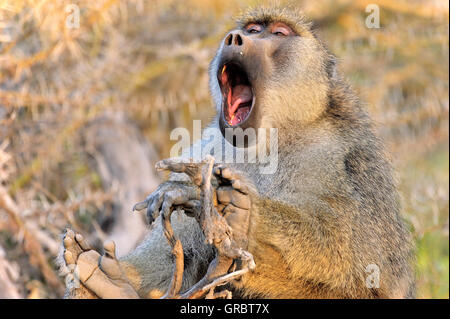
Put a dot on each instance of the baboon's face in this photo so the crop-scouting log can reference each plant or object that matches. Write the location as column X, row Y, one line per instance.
column 261, row 65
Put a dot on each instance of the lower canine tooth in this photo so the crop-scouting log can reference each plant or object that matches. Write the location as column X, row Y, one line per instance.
column 231, row 120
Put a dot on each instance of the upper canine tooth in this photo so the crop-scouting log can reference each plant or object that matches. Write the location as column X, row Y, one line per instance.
column 223, row 69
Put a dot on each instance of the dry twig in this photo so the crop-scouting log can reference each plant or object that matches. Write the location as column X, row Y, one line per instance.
column 217, row 233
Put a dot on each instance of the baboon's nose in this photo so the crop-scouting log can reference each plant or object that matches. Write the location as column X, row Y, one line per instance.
column 234, row 39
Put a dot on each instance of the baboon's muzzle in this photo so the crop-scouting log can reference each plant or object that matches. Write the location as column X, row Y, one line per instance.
column 235, row 74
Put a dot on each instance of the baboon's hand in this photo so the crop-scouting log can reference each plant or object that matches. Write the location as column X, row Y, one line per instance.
column 234, row 202
column 167, row 195
column 98, row 276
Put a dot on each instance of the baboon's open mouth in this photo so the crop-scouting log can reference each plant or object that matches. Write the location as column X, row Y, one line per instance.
column 237, row 93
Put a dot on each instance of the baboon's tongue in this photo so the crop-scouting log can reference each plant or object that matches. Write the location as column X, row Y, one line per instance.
column 237, row 95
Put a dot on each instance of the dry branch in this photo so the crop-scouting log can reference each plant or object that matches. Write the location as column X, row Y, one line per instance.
column 31, row 243
column 8, row 275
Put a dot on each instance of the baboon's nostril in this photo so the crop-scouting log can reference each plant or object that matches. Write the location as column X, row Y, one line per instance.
column 237, row 39
column 233, row 39
column 229, row 39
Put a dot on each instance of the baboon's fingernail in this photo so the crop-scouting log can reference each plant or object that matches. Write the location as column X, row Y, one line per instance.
column 139, row 206
column 79, row 237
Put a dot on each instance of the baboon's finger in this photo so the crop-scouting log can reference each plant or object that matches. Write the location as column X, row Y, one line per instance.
column 240, row 186
column 70, row 244
column 154, row 208
column 235, row 180
column 224, row 195
column 227, row 173
column 194, row 203
column 69, row 258
column 140, row 206
column 110, row 249
column 230, row 209
column 192, row 207
column 175, row 165
column 82, row 242
column 227, row 195
column 238, row 219
column 67, row 241
column 220, row 208
column 69, row 233
column 219, row 169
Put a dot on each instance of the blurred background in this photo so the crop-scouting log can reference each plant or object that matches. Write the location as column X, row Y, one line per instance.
column 86, row 110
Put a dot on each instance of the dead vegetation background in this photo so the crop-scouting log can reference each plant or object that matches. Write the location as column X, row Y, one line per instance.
column 78, row 105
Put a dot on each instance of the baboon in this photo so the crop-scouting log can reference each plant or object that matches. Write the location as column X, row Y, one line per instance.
column 319, row 225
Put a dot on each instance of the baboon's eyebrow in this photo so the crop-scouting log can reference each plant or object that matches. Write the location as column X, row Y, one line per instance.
column 258, row 21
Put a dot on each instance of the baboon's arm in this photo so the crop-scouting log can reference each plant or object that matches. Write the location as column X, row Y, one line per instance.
column 313, row 239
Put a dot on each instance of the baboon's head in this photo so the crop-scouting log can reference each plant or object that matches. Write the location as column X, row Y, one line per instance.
column 269, row 71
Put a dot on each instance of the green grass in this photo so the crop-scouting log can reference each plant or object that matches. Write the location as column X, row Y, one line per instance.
column 424, row 184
